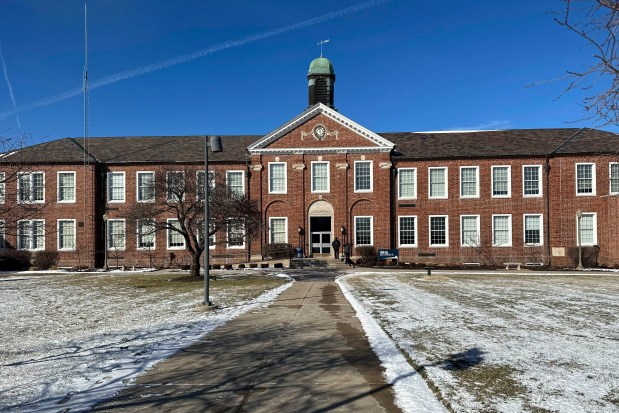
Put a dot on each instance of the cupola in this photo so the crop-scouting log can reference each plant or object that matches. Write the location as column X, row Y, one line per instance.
column 321, row 82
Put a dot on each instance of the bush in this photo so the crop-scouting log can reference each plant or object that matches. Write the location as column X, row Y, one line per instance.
column 278, row 251
column 13, row 260
column 589, row 256
column 368, row 254
column 44, row 260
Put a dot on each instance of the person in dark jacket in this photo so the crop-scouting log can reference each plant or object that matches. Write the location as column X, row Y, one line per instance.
column 347, row 260
column 336, row 248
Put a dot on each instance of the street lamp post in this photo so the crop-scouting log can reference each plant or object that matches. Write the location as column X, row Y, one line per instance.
column 578, row 217
column 105, row 236
column 215, row 143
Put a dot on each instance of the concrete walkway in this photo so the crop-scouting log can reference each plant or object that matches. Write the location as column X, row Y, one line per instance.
column 306, row 352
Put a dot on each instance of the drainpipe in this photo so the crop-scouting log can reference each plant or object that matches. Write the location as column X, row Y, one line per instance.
column 547, row 204
column 392, row 207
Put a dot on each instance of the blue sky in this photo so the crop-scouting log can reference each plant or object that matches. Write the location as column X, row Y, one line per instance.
column 401, row 65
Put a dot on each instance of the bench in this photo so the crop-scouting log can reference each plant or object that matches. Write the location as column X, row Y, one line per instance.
column 514, row 265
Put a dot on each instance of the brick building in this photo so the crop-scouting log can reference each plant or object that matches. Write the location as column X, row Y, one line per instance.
column 486, row 197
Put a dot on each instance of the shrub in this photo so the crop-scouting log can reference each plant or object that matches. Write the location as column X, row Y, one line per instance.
column 44, row 260
column 589, row 256
column 368, row 254
column 13, row 260
column 278, row 251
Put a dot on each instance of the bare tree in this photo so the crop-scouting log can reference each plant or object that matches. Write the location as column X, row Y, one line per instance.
column 179, row 208
column 597, row 23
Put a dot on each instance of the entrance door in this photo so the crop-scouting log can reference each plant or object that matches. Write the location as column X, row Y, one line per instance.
column 320, row 228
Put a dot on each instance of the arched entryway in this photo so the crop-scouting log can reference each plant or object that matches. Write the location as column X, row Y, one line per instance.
column 320, row 224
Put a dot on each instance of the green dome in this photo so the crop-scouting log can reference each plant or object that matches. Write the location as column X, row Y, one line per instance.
column 321, row 66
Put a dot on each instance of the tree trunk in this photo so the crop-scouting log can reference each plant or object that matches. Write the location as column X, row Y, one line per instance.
column 194, row 269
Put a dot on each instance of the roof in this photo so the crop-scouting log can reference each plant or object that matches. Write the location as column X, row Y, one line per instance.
column 321, row 66
column 408, row 145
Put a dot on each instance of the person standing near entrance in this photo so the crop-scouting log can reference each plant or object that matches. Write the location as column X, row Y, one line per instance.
column 336, row 248
column 347, row 260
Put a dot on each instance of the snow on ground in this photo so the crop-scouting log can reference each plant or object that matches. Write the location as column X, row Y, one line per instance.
column 504, row 342
column 69, row 341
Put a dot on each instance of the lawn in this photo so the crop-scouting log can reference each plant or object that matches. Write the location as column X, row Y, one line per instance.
column 504, row 342
column 65, row 335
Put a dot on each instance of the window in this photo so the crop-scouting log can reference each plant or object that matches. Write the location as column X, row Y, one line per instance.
column 176, row 241
column 408, row 231
column 407, row 183
column 66, row 234
column 278, row 230
column 116, row 234
column 200, row 183
column 2, row 187
column 31, row 235
column 501, row 181
column 2, row 235
column 469, row 182
column 320, row 176
column 145, row 234
column 531, row 180
column 234, row 180
column 236, row 235
column 438, row 231
column 66, row 186
column 469, row 231
column 437, row 182
column 502, row 230
column 363, row 231
column 588, row 229
column 614, row 177
column 585, row 179
column 146, row 186
column 175, row 184
column 277, row 178
column 116, row 187
column 533, row 229
column 363, row 176
column 211, row 238
column 31, row 187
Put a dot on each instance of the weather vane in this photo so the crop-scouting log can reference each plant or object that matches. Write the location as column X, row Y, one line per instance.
column 320, row 43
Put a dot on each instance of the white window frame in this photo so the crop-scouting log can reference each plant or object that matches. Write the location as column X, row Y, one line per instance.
column 109, row 187
column 464, row 243
column 167, row 182
column 233, row 247
column 242, row 179
column 2, row 187
column 30, row 199
column 168, row 234
column 416, row 233
column 322, row 191
column 595, row 230
column 371, row 229
column 446, row 244
column 446, row 181
column 59, row 189
column 610, row 178
column 509, row 228
column 414, row 183
column 138, row 235
column 539, row 182
column 593, row 180
column 371, row 188
column 59, row 237
column 110, row 246
column 200, row 187
column 137, row 186
column 476, row 168
column 509, row 181
column 271, row 219
column 271, row 165
column 541, row 230
column 19, row 235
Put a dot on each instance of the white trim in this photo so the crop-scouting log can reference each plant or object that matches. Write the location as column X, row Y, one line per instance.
column 271, row 229
column 58, row 187
column 593, row 180
column 541, row 230
column 371, row 176
column 167, row 236
column 509, row 181
column 234, row 247
column 509, row 228
column 446, row 244
column 271, row 191
column 328, row 177
column 414, row 183
column 595, row 229
column 242, row 178
column 610, row 168
column 539, row 182
column 446, row 176
column 464, row 244
column 476, row 181
column 137, row 236
column 167, row 189
column 371, row 229
column 110, row 247
column 137, row 187
column 108, row 187
column 415, row 226
column 58, row 235
column 18, row 246
column 31, row 175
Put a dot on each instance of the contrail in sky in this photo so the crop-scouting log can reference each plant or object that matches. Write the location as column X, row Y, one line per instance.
column 128, row 74
column 8, row 84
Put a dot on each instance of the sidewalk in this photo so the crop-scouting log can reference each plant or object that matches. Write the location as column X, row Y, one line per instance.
column 306, row 352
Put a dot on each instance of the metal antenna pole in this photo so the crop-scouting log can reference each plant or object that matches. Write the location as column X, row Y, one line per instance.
column 320, row 43
column 207, row 301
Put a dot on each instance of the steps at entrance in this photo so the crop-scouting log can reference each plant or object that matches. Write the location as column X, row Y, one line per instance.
column 317, row 263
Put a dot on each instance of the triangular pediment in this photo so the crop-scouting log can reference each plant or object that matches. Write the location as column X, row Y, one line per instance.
column 320, row 129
